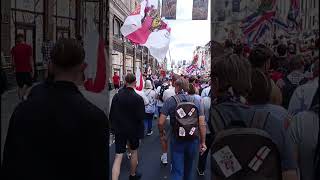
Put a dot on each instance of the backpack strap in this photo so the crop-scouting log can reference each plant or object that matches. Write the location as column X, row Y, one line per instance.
column 217, row 120
column 259, row 119
column 177, row 99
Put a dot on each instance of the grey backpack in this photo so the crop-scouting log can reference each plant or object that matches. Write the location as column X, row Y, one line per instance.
column 241, row 151
column 186, row 125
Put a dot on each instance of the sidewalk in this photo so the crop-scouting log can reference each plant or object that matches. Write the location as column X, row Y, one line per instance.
column 9, row 101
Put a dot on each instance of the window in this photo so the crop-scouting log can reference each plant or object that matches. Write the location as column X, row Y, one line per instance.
column 116, row 28
column 313, row 20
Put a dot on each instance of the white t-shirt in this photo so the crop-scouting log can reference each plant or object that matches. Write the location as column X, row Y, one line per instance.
column 169, row 93
column 151, row 95
column 205, row 92
column 159, row 102
column 142, row 94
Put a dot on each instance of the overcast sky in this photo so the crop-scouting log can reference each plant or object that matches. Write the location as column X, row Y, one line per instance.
column 186, row 34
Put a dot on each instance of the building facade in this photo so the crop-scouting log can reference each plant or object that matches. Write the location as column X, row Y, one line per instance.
column 38, row 20
column 53, row 19
column 125, row 56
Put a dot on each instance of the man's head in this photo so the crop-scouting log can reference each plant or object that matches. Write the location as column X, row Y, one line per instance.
column 231, row 71
column 115, row 73
column 261, row 88
column 67, row 60
column 174, row 79
column 20, row 38
column 260, row 57
column 296, row 63
column 130, row 80
column 181, row 85
column 282, row 50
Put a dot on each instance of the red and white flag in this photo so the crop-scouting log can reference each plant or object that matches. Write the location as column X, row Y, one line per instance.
column 95, row 60
column 146, row 28
column 139, row 79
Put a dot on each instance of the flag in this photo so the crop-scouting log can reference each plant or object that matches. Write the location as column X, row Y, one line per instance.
column 169, row 9
column 145, row 27
column 200, row 10
column 257, row 24
column 139, row 79
column 95, row 61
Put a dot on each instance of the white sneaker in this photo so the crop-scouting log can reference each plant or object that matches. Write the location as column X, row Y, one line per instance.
column 150, row 133
column 164, row 159
column 128, row 155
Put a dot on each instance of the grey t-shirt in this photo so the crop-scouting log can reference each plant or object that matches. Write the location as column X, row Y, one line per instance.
column 303, row 132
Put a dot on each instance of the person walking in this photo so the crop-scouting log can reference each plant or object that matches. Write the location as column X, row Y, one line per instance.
column 56, row 133
column 150, row 108
column 22, row 63
column 127, row 115
column 116, row 80
column 46, row 49
column 184, row 148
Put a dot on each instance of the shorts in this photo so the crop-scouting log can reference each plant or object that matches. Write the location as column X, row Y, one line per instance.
column 24, row 78
column 121, row 142
column 116, row 86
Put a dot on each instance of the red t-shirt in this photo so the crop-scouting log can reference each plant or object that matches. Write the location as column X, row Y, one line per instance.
column 116, row 79
column 21, row 54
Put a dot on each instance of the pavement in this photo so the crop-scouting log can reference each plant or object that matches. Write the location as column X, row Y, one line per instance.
column 9, row 100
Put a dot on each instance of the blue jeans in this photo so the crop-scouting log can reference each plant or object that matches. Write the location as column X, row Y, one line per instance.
column 183, row 158
column 148, row 123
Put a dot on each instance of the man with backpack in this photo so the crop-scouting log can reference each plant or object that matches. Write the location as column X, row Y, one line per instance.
column 188, row 126
column 295, row 78
column 248, row 143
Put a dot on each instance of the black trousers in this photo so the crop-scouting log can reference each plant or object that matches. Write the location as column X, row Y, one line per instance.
column 203, row 158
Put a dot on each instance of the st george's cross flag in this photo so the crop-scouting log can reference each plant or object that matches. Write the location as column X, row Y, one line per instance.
column 146, row 28
column 95, row 61
column 139, row 79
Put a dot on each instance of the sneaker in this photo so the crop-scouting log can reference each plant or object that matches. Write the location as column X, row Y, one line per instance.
column 150, row 133
column 200, row 172
column 128, row 155
column 136, row 177
column 164, row 159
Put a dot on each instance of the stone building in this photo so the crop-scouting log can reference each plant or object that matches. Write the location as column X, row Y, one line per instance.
column 125, row 56
column 54, row 19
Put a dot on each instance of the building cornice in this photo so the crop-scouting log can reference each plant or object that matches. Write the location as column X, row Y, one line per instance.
column 121, row 7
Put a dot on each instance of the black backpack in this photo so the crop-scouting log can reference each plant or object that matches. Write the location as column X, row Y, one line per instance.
column 162, row 89
column 186, row 124
column 288, row 90
column 243, row 152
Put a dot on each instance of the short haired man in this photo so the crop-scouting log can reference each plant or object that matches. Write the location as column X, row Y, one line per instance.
column 127, row 121
column 56, row 133
column 260, row 58
column 183, row 152
column 22, row 62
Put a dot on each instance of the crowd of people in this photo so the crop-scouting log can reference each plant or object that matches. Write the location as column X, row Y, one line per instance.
column 272, row 90
column 256, row 117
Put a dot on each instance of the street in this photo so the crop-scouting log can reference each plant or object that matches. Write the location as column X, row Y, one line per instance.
column 149, row 160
